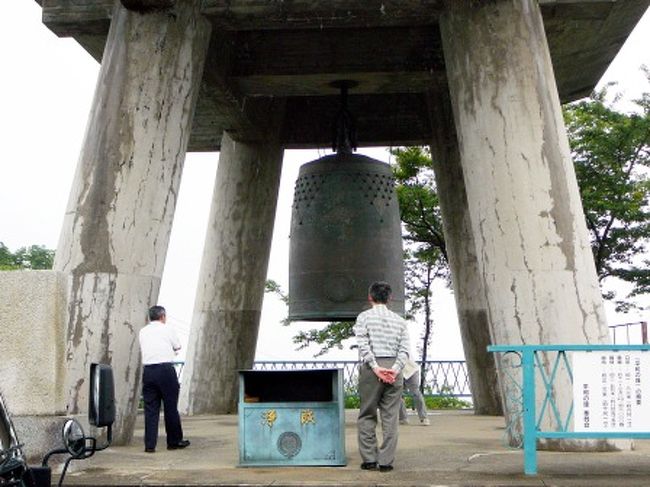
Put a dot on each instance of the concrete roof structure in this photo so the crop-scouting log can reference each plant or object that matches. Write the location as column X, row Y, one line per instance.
column 266, row 54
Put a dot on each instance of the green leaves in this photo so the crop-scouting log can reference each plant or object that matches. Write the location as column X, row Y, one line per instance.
column 424, row 242
column 331, row 336
column 611, row 154
column 35, row 257
column 273, row 287
column 418, row 202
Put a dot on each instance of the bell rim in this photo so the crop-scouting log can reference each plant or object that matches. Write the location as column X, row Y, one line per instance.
column 396, row 306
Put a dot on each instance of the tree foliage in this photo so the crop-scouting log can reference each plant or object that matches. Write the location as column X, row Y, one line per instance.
column 424, row 241
column 6, row 258
column 611, row 154
column 35, row 257
column 421, row 269
column 328, row 337
column 419, row 204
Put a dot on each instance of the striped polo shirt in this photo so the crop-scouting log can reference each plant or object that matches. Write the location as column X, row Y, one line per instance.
column 382, row 333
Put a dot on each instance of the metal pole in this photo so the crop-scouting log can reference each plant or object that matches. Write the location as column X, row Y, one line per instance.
column 530, row 433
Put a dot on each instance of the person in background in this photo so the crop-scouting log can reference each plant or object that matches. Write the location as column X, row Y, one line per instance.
column 411, row 374
column 159, row 346
column 383, row 341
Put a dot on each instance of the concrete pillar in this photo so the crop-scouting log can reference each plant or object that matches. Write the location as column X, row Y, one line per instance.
column 119, row 216
column 526, row 216
column 233, row 271
column 461, row 254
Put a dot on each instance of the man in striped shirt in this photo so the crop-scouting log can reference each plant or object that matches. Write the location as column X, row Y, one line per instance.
column 383, row 341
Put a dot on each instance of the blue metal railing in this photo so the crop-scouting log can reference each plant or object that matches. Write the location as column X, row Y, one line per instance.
column 441, row 377
column 521, row 394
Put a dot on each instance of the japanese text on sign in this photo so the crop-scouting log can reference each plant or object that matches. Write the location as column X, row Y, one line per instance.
column 611, row 391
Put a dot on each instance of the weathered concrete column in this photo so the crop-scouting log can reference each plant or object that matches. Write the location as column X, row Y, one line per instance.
column 461, row 253
column 533, row 254
column 233, row 271
column 119, row 216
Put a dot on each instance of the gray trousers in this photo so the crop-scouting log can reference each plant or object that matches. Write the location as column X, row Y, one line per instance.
column 373, row 395
column 412, row 386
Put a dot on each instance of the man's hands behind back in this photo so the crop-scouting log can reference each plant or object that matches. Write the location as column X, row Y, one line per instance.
column 385, row 375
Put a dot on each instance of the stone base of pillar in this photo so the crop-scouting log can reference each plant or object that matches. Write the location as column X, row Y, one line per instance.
column 481, row 366
column 39, row 435
column 105, row 315
column 229, row 337
column 568, row 445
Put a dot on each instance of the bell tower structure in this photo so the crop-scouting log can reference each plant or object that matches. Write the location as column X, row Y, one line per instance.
column 481, row 82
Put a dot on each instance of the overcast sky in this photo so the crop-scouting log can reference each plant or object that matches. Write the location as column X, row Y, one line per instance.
column 46, row 89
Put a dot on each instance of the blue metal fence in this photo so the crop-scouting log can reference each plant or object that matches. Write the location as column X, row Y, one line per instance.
column 544, row 364
column 441, row 377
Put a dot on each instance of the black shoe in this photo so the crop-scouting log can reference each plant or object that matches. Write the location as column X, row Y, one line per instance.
column 179, row 445
column 385, row 468
column 150, row 450
column 369, row 466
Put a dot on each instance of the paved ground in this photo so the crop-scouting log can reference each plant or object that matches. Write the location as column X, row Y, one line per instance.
column 458, row 449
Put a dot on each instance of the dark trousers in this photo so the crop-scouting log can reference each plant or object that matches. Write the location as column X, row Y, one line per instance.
column 160, row 384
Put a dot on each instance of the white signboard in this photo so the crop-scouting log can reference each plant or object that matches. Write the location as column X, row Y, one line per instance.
column 611, row 391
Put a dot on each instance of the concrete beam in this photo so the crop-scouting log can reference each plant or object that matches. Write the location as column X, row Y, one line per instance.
column 388, row 120
column 69, row 18
column 146, row 6
column 404, row 50
column 292, row 50
column 320, row 14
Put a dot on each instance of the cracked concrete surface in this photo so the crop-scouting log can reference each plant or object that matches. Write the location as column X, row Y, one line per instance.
column 117, row 226
column 532, row 245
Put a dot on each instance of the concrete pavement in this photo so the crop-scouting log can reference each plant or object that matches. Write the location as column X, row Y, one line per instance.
column 458, row 449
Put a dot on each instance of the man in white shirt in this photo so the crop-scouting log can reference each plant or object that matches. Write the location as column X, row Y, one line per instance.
column 382, row 337
column 159, row 346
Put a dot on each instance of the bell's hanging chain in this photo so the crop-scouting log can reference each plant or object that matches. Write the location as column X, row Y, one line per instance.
column 344, row 140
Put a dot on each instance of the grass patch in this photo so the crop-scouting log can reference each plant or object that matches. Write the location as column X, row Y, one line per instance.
column 431, row 402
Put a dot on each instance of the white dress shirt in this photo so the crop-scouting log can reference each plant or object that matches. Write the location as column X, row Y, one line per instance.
column 158, row 343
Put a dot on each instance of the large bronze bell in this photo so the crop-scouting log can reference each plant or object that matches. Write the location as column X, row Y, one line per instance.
column 345, row 234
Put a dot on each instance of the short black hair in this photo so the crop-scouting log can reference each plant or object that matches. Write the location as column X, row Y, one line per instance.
column 380, row 292
column 156, row 312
